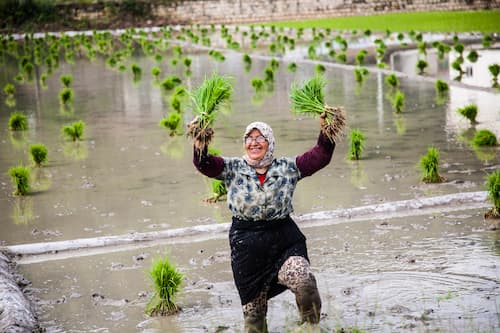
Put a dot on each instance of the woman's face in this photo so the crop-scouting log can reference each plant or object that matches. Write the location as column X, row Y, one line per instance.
column 256, row 145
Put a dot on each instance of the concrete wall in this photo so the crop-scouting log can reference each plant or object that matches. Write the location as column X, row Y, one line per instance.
column 238, row 11
column 246, row 11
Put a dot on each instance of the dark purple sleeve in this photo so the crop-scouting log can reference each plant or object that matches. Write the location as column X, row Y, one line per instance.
column 317, row 157
column 209, row 165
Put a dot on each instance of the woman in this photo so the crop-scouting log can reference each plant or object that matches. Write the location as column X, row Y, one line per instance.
column 268, row 251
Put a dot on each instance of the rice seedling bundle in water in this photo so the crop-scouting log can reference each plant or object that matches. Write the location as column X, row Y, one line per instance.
column 484, row 138
column 493, row 184
column 469, row 112
column 171, row 122
column 20, row 176
column 38, row 153
column 18, row 122
column 429, row 164
column 167, row 283
column 309, row 99
column 74, row 131
column 207, row 99
column 357, row 143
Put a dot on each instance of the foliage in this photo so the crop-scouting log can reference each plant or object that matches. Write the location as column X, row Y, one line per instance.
column 392, row 80
column 74, row 131
column 360, row 73
column 170, row 82
column 429, row 164
column 309, row 98
column 38, row 153
column 469, row 112
column 356, row 144
column 493, row 185
column 473, row 56
column 20, row 176
column 167, row 283
column 484, row 137
column 19, row 12
column 441, row 86
column 398, row 102
column 172, row 122
column 421, row 66
column 207, row 99
column 66, row 96
column 18, row 122
column 9, row 89
column 66, row 80
column 494, row 70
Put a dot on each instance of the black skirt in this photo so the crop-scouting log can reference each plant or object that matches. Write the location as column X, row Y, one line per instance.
column 258, row 250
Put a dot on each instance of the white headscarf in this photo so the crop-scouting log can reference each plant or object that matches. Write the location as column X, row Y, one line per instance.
column 266, row 132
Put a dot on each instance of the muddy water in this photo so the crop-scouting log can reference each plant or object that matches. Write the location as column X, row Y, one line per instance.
column 129, row 175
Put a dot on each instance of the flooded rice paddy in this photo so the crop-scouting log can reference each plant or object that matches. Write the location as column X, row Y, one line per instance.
column 436, row 271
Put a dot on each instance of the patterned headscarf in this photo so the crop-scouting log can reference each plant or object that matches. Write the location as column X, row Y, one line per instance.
column 266, row 132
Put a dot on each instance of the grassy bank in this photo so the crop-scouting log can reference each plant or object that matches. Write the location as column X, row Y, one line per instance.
column 459, row 21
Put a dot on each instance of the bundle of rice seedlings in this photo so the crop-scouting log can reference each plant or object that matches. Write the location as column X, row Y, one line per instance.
column 483, row 138
column 171, row 122
column 20, row 176
column 74, row 131
column 38, row 153
column 493, row 184
column 167, row 282
column 18, row 122
column 429, row 164
column 207, row 100
column 469, row 112
column 309, row 99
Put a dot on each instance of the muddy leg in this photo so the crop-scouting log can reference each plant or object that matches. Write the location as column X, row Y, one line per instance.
column 297, row 276
column 255, row 313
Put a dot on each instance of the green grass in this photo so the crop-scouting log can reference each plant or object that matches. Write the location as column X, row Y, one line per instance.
column 453, row 21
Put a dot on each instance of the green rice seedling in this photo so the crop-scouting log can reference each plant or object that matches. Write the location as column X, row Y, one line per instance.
column 360, row 57
column 66, row 80
column 429, row 165
column 177, row 98
column 398, row 102
column 473, row 56
column 442, row 50
column 469, row 112
column 187, row 62
column 319, row 69
column 66, row 96
column 441, row 86
column 341, row 57
column 292, row 67
column 258, row 84
column 43, row 80
column 392, row 80
column 208, row 98
column 38, row 153
column 136, row 71
column 356, row 144
column 421, row 66
column 155, row 71
column 74, row 131
column 487, row 39
column 483, row 138
column 309, row 98
column 422, row 48
column 172, row 122
column 170, row 82
column 18, row 122
column 493, row 186
column 457, row 66
column 167, row 282
column 9, row 89
column 28, row 70
column 268, row 74
column 360, row 74
column 494, row 71
column 20, row 177
column 274, row 64
column 247, row 61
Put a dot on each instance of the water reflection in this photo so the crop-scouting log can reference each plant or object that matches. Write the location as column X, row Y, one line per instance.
column 77, row 150
column 22, row 210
